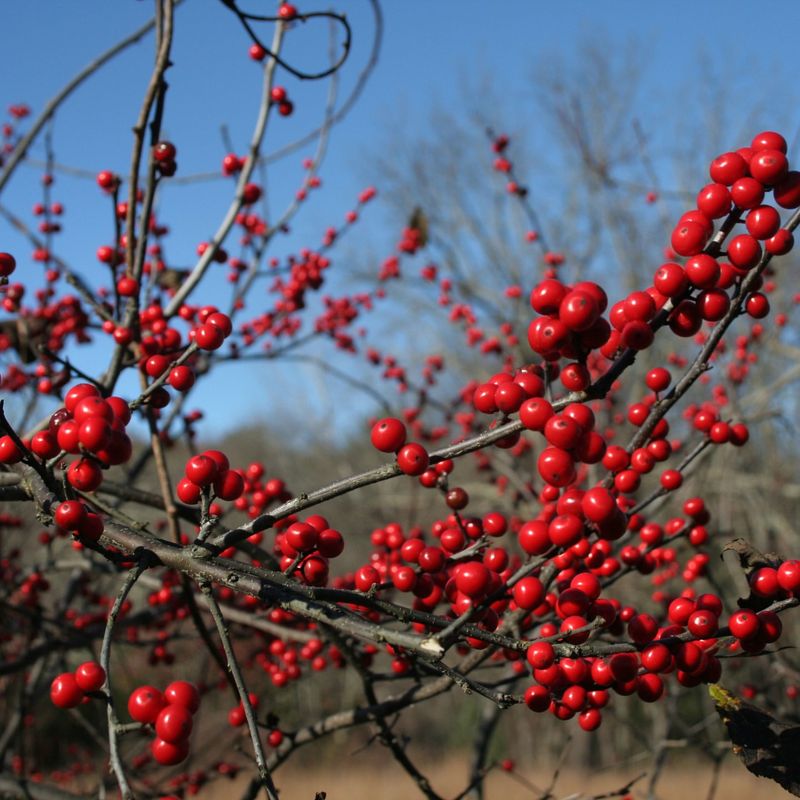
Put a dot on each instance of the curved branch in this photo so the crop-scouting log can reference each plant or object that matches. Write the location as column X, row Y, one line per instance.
column 245, row 18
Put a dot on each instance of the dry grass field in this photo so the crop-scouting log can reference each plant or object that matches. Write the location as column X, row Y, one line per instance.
column 366, row 778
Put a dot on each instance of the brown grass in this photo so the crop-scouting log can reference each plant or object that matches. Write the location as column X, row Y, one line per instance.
column 365, row 777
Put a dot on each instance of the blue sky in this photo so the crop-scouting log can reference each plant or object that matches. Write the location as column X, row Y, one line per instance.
column 431, row 50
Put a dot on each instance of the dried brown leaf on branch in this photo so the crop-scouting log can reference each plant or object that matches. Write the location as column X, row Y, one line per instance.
column 743, row 560
column 765, row 745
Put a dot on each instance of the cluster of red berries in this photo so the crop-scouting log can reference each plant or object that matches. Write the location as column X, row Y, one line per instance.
column 91, row 427
column 206, row 471
column 504, row 165
column 213, row 329
column 164, row 157
column 389, row 436
column 411, row 241
column 307, row 547
column 280, row 96
column 69, row 689
column 171, row 714
column 571, row 323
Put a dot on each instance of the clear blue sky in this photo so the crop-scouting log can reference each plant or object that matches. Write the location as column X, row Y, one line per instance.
column 430, row 49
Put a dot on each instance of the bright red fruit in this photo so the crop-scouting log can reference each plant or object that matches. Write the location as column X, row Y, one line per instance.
column 168, row 754
column 90, row 676
column 65, row 691
column 528, row 593
column 413, row 459
column 145, row 704
column 388, row 435
column 201, row 470
column 7, row 264
column 471, row 578
column 744, row 624
column 174, row 723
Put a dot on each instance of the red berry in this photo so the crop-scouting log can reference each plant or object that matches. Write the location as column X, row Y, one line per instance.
column 747, row 193
column 7, row 264
column 769, row 166
column 744, row 624
column 789, row 576
column 578, row 310
column 164, row 151
column 757, row 305
column 9, row 452
column 181, row 378
column 780, row 244
column 84, row 475
column 366, row 577
column 685, row 319
column 70, row 514
column 537, row 698
column 77, row 393
column 251, row 193
column 534, row 413
column 703, row 624
column 107, row 180
column 174, row 723
column 556, row 466
column 65, row 691
column 413, row 459
column 744, row 251
column 201, row 470
column 728, row 168
column 184, row 694
column 714, row 200
column 658, row 379
column 768, row 140
column 533, row 538
column 547, row 296
column 472, row 578
column 563, row 432
column 228, row 485
column 671, row 280
column 209, row 337
column 671, row 479
column 257, row 52
column 713, row 304
column 188, row 492
column 90, row 676
column 145, row 704
column 44, row 444
column 702, row 271
column 763, row 222
column 689, row 238
column 764, row 582
column 787, row 192
column 590, row 719
column 388, row 435
column 528, row 593
column 168, row 754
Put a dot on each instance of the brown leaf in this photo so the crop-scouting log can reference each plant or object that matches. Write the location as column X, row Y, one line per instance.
column 749, row 560
column 25, row 336
column 765, row 745
column 170, row 278
column 419, row 223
